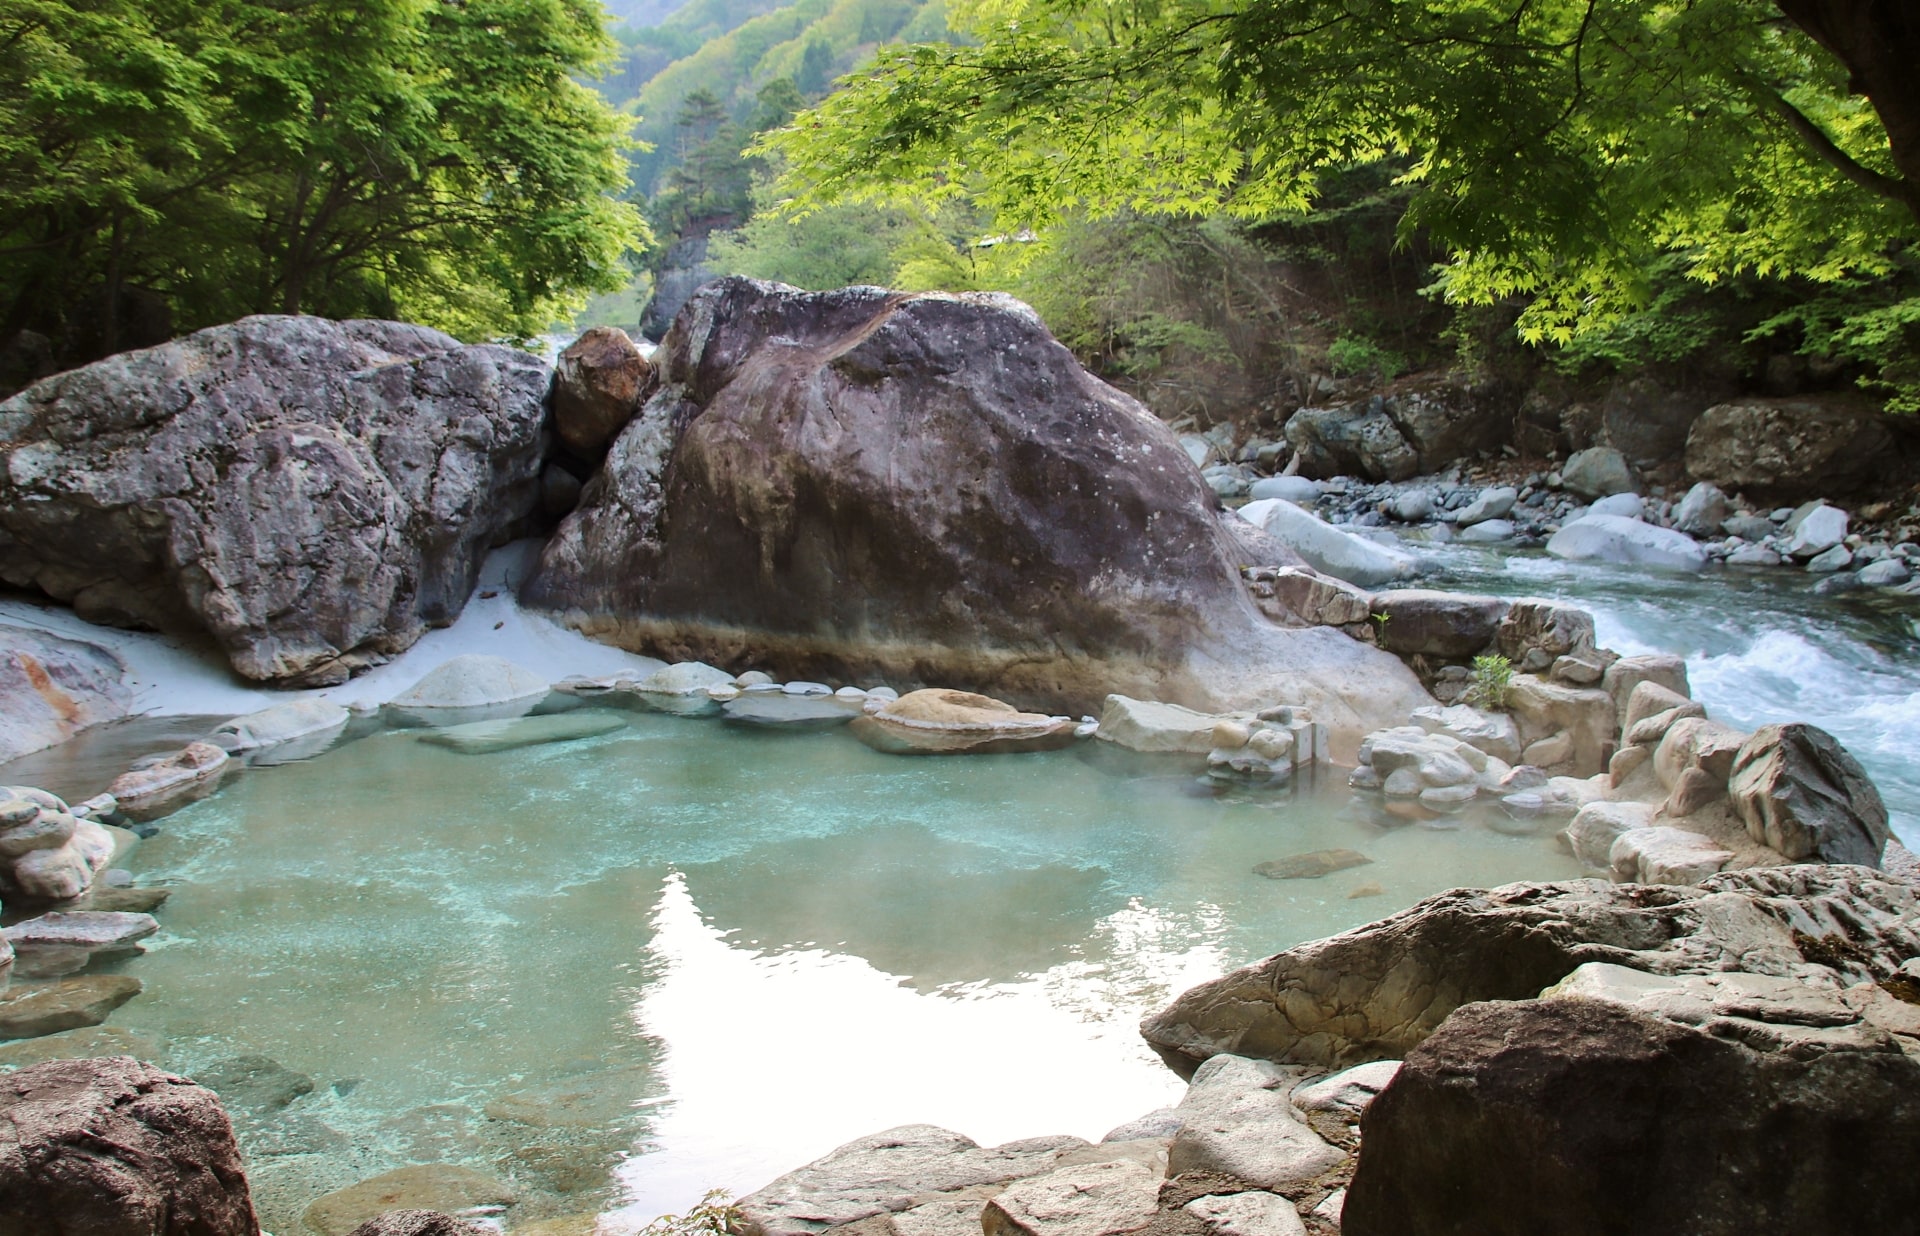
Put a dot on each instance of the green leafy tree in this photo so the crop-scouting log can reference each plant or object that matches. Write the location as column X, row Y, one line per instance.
column 1553, row 149
column 430, row 159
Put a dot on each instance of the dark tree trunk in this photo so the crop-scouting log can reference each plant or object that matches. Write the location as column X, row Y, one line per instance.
column 1879, row 43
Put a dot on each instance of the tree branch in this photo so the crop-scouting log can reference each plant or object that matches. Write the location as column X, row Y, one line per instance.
column 1893, row 188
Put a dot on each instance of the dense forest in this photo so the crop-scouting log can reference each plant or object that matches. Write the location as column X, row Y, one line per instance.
column 1214, row 204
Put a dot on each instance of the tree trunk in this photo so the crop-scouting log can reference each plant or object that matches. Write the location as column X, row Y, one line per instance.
column 1879, row 43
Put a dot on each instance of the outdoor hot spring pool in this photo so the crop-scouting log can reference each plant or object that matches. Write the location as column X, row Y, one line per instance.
column 622, row 971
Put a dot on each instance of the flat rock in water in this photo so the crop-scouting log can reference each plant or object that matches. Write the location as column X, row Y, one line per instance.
column 488, row 737
column 127, row 900
column 1311, row 865
column 435, row 1186
column 28, row 1012
column 89, row 929
column 778, row 710
column 942, row 722
column 85, row 1043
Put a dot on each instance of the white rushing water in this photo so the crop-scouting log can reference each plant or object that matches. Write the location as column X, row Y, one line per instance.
column 1760, row 648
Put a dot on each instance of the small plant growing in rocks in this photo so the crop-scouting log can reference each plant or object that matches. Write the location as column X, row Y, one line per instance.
column 714, row 1215
column 1491, row 683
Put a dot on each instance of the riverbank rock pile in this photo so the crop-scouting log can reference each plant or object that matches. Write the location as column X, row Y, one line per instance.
column 929, row 488
column 1485, row 1061
column 46, row 852
column 312, row 494
column 1648, row 787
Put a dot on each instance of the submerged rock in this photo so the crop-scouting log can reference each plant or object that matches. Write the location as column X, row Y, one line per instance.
column 939, row 722
column 86, row 1043
column 914, row 487
column 1311, row 865
column 113, row 1147
column 28, row 1011
column 312, row 494
column 52, row 688
column 437, row 1186
column 778, row 710
column 1581, row 1117
column 423, row 1223
column 489, row 737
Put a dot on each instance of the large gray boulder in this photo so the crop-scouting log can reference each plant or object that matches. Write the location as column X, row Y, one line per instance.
column 1420, row 425
column 1374, row 993
column 113, row 1147
column 52, row 688
column 1328, row 549
column 1598, row 472
column 313, row 494
column 1786, row 450
column 1588, row 1118
column 1621, row 541
column 929, row 490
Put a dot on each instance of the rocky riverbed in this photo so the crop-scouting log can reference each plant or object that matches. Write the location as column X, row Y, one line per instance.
column 861, row 488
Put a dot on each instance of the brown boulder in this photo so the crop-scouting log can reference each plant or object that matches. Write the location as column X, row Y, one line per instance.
column 1449, row 625
column 1375, row 992
column 599, row 383
column 1789, row 450
column 113, row 1147
column 1585, row 1118
column 313, row 494
column 1799, row 791
column 860, row 483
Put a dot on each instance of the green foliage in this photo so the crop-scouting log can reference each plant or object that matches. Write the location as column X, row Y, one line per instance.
column 1354, row 356
column 810, row 42
column 831, row 248
column 1491, row 685
column 425, row 159
column 714, row 1215
column 1553, row 150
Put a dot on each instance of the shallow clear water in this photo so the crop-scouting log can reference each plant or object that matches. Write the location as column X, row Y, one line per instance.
column 1760, row 647
column 683, row 956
